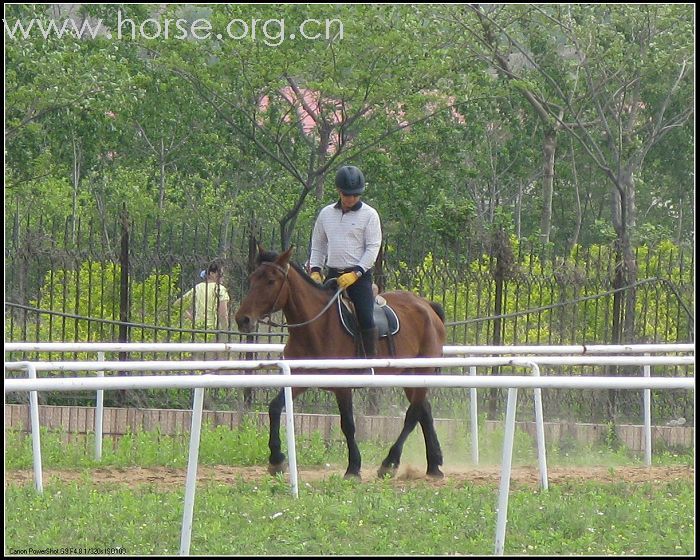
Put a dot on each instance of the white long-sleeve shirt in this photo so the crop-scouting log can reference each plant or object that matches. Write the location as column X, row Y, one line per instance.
column 346, row 239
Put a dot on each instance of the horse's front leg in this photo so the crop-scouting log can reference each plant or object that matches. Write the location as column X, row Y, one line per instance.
column 347, row 425
column 274, row 443
column 277, row 458
column 390, row 465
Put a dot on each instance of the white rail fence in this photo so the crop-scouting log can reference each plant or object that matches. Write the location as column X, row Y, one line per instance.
column 578, row 350
column 199, row 383
column 587, row 349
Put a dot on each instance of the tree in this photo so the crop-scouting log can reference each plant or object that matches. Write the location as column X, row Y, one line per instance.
column 635, row 87
column 308, row 107
column 496, row 48
column 60, row 90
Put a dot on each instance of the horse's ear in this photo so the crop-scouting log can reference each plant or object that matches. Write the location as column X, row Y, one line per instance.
column 261, row 249
column 283, row 259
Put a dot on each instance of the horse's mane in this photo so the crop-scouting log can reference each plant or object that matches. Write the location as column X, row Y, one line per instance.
column 271, row 256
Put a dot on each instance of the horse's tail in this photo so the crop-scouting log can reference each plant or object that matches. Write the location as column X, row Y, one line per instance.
column 438, row 310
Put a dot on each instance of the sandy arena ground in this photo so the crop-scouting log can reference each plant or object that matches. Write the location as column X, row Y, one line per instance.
column 526, row 476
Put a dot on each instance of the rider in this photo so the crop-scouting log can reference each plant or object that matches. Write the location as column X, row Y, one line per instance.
column 347, row 237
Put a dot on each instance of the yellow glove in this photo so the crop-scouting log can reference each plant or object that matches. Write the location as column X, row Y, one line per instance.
column 348, row 279
column 316, row 277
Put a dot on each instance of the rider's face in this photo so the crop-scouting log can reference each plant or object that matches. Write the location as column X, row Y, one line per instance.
column 347, row 201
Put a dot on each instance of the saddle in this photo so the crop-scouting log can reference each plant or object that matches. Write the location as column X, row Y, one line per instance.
column 385, row 318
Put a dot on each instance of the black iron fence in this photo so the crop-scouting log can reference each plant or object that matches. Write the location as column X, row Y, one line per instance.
column 75, row 281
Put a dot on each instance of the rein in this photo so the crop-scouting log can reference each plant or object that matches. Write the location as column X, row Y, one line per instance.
column 285, row 273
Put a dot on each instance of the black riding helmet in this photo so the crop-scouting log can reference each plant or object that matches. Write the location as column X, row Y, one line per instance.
column 350, row 180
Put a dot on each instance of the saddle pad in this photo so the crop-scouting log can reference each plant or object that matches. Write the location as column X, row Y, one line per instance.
column 385, row 318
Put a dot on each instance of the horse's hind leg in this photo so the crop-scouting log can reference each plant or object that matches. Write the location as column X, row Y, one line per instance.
column 432, row 445
column 274, row 443
column 347, row 425
column 391, row 464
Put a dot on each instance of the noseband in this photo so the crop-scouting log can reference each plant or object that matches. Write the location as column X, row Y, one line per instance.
column 284, row 271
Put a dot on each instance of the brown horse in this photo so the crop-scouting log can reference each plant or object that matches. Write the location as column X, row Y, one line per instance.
column 278, row 284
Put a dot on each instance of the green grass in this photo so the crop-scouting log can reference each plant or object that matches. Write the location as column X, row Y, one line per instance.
column 247, row 445
column 342, row 517
column 219, row 445
column 337, row 516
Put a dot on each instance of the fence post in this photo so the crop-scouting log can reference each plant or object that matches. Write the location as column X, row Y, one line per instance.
column 506, row 463
column 647, row 419
column 36, row 437
column 191, row 477
column 474, row 420
column 99, row 413
column 291, row 441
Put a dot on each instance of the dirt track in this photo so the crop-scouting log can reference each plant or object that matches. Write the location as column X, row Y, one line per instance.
column 171, row 477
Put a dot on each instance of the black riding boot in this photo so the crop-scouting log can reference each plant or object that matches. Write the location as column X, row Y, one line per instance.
column 370, row 337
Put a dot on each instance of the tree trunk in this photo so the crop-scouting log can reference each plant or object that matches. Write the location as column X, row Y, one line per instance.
column 577, row 198
column 518, row 210
column 628, row 255
column 161, row 190
column 549, row 149
column 679, row 235
column 102, row 210
column 289, row 220
column 500, row 241
column 77, row 158
column 623, row 218
column 124, row 297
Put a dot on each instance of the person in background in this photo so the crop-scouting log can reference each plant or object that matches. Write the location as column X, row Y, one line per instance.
column 206, row 305
column 346, row 238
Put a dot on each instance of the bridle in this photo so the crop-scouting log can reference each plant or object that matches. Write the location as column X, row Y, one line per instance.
column 284, row 271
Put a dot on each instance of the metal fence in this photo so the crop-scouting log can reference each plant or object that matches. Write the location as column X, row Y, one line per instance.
column 74, row 281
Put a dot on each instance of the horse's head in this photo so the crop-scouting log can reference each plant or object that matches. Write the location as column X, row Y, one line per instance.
column 268, row 289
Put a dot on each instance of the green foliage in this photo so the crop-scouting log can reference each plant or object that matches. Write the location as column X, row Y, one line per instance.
column 546, row 284
column 571, row 294
column 612, row 440
column 448, row 144
column 93, row 290
column 449, row 218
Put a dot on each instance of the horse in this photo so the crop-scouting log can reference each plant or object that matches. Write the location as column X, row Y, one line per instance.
column 315, row 331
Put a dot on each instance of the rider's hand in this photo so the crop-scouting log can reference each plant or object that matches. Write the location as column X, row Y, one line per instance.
column 316, row 277
column 348, row 279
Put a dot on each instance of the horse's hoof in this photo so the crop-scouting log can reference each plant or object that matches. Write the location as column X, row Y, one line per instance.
column 276, row 469
column 384, row 472
column 352, row 476
column 435, row 473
